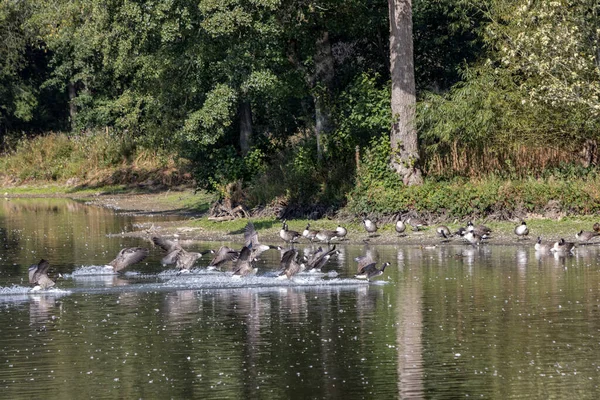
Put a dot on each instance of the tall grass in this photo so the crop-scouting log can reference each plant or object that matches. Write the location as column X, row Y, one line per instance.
column 99, row 158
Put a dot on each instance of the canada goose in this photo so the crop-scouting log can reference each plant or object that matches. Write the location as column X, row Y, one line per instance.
column 522, row 230
column 223, row 255
column 326, row 236
column 287, row 235
column 597, row 227
column 370, row 226
column 341, row 232
column 443, row 232
column 319, row 258
column 541, row 247
column 371, row 271
column 416, row 223
column 481, row 230
column 562, row 247
column 309, row 234
column 127, row 257
column 400, row 226
column 251, row 241
column 472, row 237
column 243, row 265
column 183, row 260
column 585, row 236
column 289, row 266
column 38, row 275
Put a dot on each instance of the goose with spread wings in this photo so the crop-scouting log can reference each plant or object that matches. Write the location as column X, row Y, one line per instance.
column 367, row 267
column 183, row 259
column 289, row 266
column 127, row 257
column 244, row 265
column 251, row 241
column 38, row 276
column 319, row 258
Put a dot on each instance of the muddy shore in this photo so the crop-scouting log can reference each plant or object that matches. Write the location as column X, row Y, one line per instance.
column 191, row 225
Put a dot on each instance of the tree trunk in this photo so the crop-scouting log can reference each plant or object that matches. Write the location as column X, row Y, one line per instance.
column 403, row 136
column 245, row 126
column 323, row 80
column 72, row 107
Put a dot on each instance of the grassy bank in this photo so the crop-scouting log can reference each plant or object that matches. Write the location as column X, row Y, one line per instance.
column 94, row 159
column 92, row 164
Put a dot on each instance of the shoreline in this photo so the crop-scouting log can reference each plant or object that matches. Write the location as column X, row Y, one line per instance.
column 191, row 224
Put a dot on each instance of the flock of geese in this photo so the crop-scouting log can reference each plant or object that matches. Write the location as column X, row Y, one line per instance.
column 245, row 260
column 476, row 234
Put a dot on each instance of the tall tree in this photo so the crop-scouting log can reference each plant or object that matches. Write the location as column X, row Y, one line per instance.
column 403, row 136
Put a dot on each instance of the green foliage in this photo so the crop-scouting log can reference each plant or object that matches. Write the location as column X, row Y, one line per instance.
column 58, row 157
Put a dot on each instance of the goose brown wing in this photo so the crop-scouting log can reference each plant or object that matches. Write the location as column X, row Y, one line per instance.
column 364, row 261
column 250, row 235
column 41, row 270
column 243, row 260
column 128, row 256
column 287, row 258
column 165, row 244
column 368, row 269
column 223, row 255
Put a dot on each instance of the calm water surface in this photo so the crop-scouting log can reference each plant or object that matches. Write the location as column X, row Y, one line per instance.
column 446, row 322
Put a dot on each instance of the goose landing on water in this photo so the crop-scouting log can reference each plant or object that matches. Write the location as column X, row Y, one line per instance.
column 127, row 257
column 38, row 275
column 244, row 265
column 183, row 260
column 289, row 266
column 371, row 271
column 367, row 267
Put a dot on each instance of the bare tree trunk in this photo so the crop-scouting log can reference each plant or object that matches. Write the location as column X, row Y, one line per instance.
column 72, row 107
column 403, row 136
column 323, row 80
column 245, row 126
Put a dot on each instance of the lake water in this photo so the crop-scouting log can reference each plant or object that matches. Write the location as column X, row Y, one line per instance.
column 448, row 322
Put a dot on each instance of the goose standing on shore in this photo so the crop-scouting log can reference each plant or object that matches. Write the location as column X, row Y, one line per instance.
column 38, row 275
column 309, row 234
column 443, row 232
column 326, row 236
column 416, row 223
column 287, row 235
column 400, row 227
column 341, row 232
column 370, row 226
column 586, row 236
column 481, row 230
column 597, row 227
column 127, row 257
column 522, row 230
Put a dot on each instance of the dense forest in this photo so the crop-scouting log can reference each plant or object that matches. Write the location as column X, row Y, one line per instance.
column 291, row 100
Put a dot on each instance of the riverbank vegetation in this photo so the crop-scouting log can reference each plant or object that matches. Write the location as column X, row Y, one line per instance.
column 289, row 103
